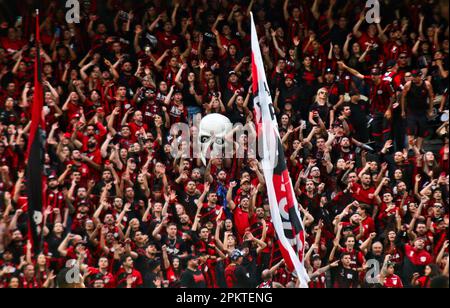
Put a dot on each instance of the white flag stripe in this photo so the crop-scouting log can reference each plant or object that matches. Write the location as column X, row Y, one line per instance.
column 270, row 146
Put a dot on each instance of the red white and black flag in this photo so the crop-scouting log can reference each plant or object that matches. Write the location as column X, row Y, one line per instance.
column 35, row 153
column 283, row 204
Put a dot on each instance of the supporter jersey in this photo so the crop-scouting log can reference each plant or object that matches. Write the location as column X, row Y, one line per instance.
column 380, row 95
column 122, row 276
column 393, row 282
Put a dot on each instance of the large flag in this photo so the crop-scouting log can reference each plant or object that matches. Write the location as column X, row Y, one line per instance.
column 283, row 204
column 35, row 153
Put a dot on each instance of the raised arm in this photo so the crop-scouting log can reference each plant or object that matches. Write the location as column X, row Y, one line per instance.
column 357, row 26
column 351, row 70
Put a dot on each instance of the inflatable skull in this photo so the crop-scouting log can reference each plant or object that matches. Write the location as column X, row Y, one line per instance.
column 213, row 129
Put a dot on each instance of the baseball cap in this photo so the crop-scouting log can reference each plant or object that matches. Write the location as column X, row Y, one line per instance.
column 236, row 254
column 290, row 76
column 316, row 257
column 75, row 116
column 51, row 177
column 232, row 73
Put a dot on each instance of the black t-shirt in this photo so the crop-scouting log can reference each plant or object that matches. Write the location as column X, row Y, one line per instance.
column 192, row 279
column 324, row 111
column 189, row 99
column 345, row 278
column 335, row 90
column 338, row 35
column 188, row 202
column 237, row 116
column 175, row 247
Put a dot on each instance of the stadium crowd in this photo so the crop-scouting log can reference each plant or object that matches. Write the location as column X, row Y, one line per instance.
column 358, row 106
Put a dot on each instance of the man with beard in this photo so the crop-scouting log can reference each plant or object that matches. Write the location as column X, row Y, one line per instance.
column 102, row 272
column 106, row 181
column 289, row 93
column 81, row 195
column 146, row 102
column 236, row 274
column 205, row 246
column 136, row 125
column 92, row 157
column 335, row 89
column 56, row 199
column 310, row 200
column 243, row 214
column 416, row 258
column 15, row 240
column 127, row 276
column 127, row 77
column 148, row 264
column 263, row 226
column 81, row 141
column 344, row 150
column 192, row 277
column 211, row 209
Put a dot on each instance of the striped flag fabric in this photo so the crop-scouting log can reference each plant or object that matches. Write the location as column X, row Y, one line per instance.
column 283, row 204
column 35, row 154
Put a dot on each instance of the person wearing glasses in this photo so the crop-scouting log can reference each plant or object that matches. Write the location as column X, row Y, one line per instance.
column 320, row 113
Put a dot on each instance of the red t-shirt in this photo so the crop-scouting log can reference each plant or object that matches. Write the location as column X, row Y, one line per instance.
column 393, row 282
column 362, row 195
column 242, row 221
column 108, row 278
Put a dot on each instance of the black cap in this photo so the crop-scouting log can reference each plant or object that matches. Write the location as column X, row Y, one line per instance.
column 316, row 257
column 51, row 177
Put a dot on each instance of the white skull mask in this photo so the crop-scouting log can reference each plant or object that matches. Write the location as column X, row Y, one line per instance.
column 213, row 129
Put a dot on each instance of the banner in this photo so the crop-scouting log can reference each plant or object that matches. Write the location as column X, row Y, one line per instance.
column 35, row 154
column 283, row 204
